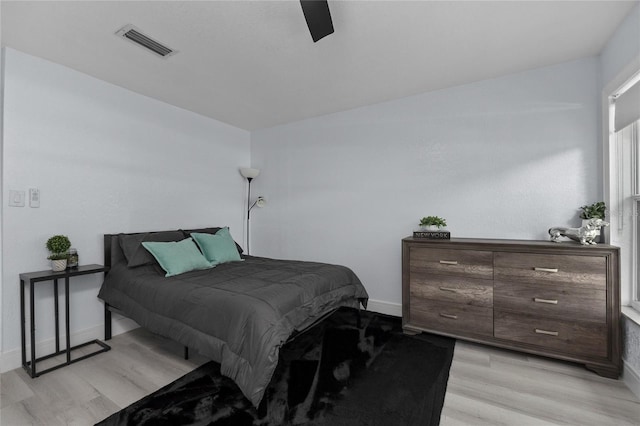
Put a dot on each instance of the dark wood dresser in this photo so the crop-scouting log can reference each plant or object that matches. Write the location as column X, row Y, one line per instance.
column 560, row 300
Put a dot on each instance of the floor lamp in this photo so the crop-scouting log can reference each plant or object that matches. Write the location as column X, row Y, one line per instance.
column 251, row 174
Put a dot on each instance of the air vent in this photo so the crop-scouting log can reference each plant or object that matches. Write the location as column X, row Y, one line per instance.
column 134, row 35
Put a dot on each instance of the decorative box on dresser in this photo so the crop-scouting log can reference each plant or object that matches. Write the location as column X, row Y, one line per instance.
column 560, row 300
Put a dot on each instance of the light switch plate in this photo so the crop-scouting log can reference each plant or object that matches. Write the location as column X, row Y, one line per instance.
column 34, row 197
column 16, row 198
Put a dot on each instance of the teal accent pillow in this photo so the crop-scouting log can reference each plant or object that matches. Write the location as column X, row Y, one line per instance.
column 217, row 248
column 187, row 233
column 177, row 257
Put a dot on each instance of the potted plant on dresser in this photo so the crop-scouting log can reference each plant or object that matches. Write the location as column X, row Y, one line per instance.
column 58, row 246
column 432, row 227
column 594, row 211
column 432, row 223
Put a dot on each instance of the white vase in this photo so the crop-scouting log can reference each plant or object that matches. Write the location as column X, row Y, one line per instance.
column 584, row 223
column 598, row 237
column 59, row 265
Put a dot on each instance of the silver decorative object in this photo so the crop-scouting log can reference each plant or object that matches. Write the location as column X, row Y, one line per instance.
column 584, row 235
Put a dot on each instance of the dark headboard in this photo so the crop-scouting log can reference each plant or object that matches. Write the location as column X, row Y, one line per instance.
column 107, row 251
column 111, row 249
column 113, row 253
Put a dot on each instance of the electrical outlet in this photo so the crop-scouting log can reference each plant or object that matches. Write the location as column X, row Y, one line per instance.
column 34, row 197
column 16, row 198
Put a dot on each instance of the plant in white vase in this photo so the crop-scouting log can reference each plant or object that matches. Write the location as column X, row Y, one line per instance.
column 58, row 246
column 432, row 223
column 596, row 210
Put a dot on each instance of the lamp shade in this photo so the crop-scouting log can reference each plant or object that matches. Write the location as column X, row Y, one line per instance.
column 249, row 173
column 261, row 202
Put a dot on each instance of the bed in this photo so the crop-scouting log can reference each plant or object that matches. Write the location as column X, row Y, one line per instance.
column 238, row 313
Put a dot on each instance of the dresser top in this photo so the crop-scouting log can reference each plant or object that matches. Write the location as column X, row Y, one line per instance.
column 496, row 243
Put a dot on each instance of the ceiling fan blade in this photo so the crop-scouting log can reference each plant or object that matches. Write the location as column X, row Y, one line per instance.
column 318, row 17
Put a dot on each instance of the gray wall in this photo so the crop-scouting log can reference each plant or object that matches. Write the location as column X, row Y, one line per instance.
column 504, row 158
column 105, row 160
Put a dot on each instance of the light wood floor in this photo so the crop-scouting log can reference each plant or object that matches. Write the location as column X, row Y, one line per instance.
column 487, row 386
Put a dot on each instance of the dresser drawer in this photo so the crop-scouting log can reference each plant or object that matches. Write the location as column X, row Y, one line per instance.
column 568, row 337
column 462, row 263
column 451, row 317
column 444, row 288
column 581, row 271
column 555, row 300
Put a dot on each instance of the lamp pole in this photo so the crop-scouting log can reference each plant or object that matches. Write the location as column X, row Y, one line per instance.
column 248, row 211
column 249, row 173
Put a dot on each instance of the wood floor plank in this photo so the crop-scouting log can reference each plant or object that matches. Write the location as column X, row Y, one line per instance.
column 31, row 411
column 101, row 407
column 461, row 410
column 60, row 388
column 13, row 388
column 88, row 413
column 557, row 395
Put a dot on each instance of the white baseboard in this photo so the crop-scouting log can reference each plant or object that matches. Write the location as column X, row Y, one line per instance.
column 120, row 324
column 631, row 378
column 387, row 308
column 12, row 359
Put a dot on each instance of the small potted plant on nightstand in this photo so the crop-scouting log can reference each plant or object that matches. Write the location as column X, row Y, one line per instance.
column 432, row 223
column 58, row 245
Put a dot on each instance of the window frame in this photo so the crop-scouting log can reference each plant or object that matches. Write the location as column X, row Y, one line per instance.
column 635, row 270
column 630, row 274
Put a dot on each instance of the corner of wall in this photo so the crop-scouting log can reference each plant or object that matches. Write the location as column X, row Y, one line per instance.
column 2, row 65
column 387, row 308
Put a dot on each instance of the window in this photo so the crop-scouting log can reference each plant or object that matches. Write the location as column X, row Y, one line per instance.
column 625, row 184
column 627, row 147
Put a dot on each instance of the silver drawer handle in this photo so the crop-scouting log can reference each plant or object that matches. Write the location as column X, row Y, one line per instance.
column 549, row 301
column 449, row 262
column 449, row 289
column 449, row 316
column 546, row 269
column 548, row 333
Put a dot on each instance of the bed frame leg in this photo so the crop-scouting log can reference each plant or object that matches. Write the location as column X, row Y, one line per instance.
column 186, row 352
column 107, row 322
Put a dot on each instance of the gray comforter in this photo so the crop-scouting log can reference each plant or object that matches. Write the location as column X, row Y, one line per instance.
column 238, row 313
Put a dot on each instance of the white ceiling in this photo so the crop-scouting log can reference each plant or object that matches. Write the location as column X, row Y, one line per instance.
column 252, row 64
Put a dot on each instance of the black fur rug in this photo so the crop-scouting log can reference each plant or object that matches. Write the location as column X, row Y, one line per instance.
column 332, row 374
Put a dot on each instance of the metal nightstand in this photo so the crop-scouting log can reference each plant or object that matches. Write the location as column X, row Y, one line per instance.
column 33, row 278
